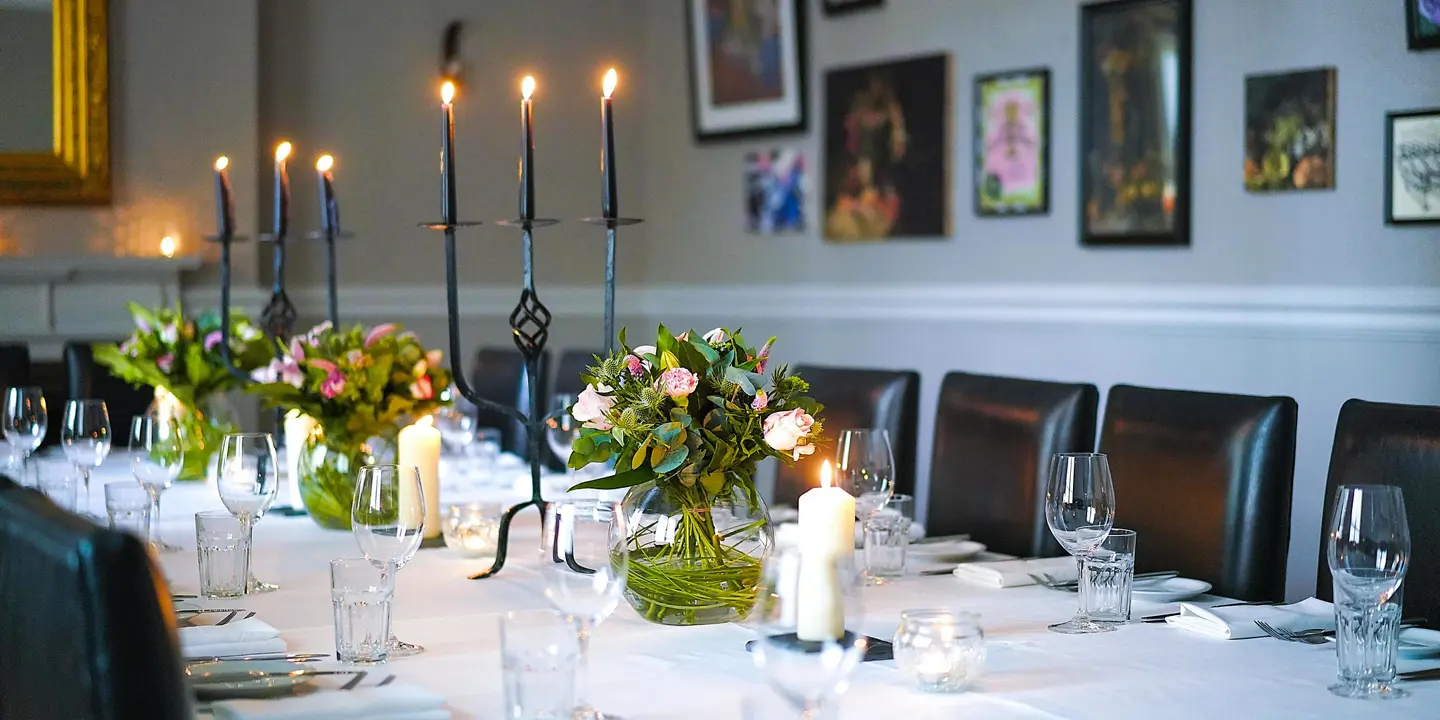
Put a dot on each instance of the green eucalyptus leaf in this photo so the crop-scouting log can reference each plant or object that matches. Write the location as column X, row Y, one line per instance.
column 639, row 458
column 710, row 354
column 672, row 460
column 680, row 416
column 713, row 483
column 741, row 378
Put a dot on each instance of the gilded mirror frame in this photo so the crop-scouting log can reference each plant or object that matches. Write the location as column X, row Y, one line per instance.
column 77, row 168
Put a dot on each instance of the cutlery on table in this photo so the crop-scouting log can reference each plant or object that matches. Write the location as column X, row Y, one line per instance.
column 226, row 620
column 1161, row 618
column 1418, row 675
column 299, row 657
column 1049, row 581
column 388, row 679
column 1305, row 637
column 241, row 675
column 941, row 539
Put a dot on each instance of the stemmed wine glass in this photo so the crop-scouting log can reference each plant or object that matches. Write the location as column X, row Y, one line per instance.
column 388, row 519
column 584, row 558
column 156, row 456
column 1080, row 510
column 865, row 468
column 86, row 438
column 248, row 478
column 25, row 421
column 562, row 429
column 1369, row 552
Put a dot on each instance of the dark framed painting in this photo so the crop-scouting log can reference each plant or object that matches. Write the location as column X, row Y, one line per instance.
column 1012, row 143
column 838, row 7
column 1412, row 167
column 777, row 189
column 1290, row 131
column 1135, row 88
column 1422, row 24
column 887, row 150
column 747, row 67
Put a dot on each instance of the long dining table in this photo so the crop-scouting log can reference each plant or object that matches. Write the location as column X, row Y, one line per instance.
column 640, row 670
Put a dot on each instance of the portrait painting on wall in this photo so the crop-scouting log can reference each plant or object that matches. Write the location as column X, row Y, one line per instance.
column 776, row 189
column 1290, row 131
column 1135, row 122
column 747, row 66
column 887, row 150
column 1012, row 143
column 1412, row 172
column 1422, row 24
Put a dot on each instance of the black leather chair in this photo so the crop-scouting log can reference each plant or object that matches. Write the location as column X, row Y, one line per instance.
column 499, row 375
column 1205, row 481
column 87, row 379
column 854, row 399
column 567, row 380
column 14, row 365
column 994, row 437
column 1384, row 444
column 86, row 628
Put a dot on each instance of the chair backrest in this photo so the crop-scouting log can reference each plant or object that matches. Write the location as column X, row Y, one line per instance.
column 1385, row 444
column 86, row 627
column 86, row 379
column 499, row 375
column 1205, row 481
column 14, row 365
column 856, row 398
column 994, row 437
column 567, row 380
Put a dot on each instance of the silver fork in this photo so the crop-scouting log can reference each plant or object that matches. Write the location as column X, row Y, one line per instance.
column 228, row 618
column 1307, row 637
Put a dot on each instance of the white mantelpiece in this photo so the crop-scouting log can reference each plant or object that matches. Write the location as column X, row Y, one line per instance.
column 45, row 301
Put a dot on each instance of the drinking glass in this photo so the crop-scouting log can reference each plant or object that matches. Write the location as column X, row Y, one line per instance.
column 156, row 456
column 1369, row 552
column 487, row 448
column 865, row 468
column 584, row 558
column 886, row 537
column 362, row 595
column 562, row 429
column 388, row 519
column 248, row 478
column 86, row 437
column 128, row 506
column 1080, row 510
column 25, row 421
column 59, row 481
column 457, row 429
column 222, row 545
column 804, row 603
column 539, row 653
column 1106, row 577
column 941, row 650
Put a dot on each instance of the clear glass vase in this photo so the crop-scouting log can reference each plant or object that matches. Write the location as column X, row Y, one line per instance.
column 202, row 427
column 695, row 557
column 328, row 465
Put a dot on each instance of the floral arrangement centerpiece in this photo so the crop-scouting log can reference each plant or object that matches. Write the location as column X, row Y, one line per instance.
column 358, row 386
column 180, row 358
column 685, row 421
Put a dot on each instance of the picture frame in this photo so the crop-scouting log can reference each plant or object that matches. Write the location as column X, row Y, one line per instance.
column 1011, row 167
column 1135, row 122
column 748, row 68
column 1290, row 141
column 1412, row 154
column 1422, row 24
column 842, row 7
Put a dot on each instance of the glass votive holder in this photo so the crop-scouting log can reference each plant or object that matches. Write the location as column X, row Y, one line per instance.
column 472, row 529
column 940, row 650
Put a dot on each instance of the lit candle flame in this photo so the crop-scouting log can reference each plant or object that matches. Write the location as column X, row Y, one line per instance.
column 825, row 479
column 324, row 163
column 221, row 163
column 426, row 421
column 527, row 87
column 610, row 80
column 168, row 245
column 282, row 151
column 447, row 92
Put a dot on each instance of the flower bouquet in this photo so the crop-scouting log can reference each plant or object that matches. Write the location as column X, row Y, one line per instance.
column 180, row 358
column 685, row 421
column 358, row 386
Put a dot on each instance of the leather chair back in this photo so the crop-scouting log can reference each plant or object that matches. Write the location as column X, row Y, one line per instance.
column 855, row 399
column 14, row 365
column 994, row 437
column 1384, row 444
column 499, row 375
column 87, row 379
column 567, row 380
column 1205, row 481
column 86, row 628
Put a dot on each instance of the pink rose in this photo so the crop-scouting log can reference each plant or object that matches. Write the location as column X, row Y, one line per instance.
column 165, row 362
column 354, row 357
column 678, row 382
column 422, row 389
column 434, row 357
column 635, row 365
column 764, row 354
column 379, row 331
column 212, row 340
column 592, row 406
column 787, row 431
column 334, row 384
column 761, row 401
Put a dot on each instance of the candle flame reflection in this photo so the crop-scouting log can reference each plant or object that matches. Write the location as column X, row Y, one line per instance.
column 221, row 163
column 324, row 163
column 610, row 80
column 282, row 151
column 527, row 87
column 447, row 92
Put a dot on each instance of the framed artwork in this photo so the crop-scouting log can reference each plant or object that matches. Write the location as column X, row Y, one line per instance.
column 1135, row 75
column 776, row 190
column 1290, row 131
column 747, row 67
column 1422, row 24
column 1012, row 143
column 1412, row 167
column 887, row 150
column 837, row 7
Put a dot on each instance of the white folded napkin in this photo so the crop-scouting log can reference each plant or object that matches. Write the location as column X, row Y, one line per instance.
column 1016, row 573
column 392, row 702
column 1420, row 636
column 246, row 637
column 1238, row 622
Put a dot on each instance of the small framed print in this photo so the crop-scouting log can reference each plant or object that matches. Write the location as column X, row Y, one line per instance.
column 1422, row 24
column 1012, row 143
column 747, row 67
column 1412, row 167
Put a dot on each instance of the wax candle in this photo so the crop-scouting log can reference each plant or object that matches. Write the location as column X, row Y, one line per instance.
column 448, row 211
column 609, row 206
column 827, row 517
column 282, row 190
column 329, row 209
column 419, row 446
column 827, row 543
column 224, row 206
column 298, row 427
column 527, row 151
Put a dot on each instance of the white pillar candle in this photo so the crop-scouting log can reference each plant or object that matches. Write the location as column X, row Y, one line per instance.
column 298, row 427
column 827, row 518
column 827, row 536
column 420, row 447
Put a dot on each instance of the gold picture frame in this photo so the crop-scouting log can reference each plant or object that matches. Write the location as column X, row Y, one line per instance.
column 77, row 169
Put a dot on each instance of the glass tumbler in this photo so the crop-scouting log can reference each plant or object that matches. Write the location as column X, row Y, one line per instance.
column 472, row 529
column 223, row 549
column 539, row 660
column 887, row 535
column 128, row 506
column 361, row 594
column 60, row 481
column 1107, row 577
column 940, row 650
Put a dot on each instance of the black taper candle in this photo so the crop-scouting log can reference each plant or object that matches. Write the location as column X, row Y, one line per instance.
column 527, row 152
column 609, row 205
column 282, row 191
column 329, row 210
column 448, row 213
column 224, row 207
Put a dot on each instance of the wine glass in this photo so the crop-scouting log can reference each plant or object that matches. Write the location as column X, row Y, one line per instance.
column 457, row 429
column 1369, row 552
column 1080, row 510
column 388, row 519
column 25, row 421
column 584, row 558
column 156, row 456
column 248, row 477
column 803, row 604
column 865, row 468
column 86, row 438
column 562, row 429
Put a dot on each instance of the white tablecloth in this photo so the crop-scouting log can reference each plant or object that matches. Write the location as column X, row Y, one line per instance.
column 640, row 670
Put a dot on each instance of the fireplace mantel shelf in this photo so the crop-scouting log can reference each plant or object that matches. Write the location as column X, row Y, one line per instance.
column 65, row 268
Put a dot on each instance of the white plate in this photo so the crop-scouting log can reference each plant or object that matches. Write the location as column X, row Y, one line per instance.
column 951, row 551
column 1172, row 590
column 273, row 683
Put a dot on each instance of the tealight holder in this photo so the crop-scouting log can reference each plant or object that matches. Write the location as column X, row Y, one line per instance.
column 940, row 650
column 472, row 529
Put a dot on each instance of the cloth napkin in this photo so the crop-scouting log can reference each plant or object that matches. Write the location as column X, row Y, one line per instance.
column 1421, row 636
column 1238, row 622
column 392, row 702
column 245, row 637
column 1016, row 573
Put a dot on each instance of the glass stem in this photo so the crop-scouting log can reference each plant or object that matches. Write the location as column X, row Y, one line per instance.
column 247, row 523
column 1082, row 610
column 154, row 516
column 85, row 475
column 582, row 668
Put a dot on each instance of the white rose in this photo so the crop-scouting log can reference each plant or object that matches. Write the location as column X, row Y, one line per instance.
column 785, row 431
column 643, row 350
column 716, row 336
column 592, row 406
